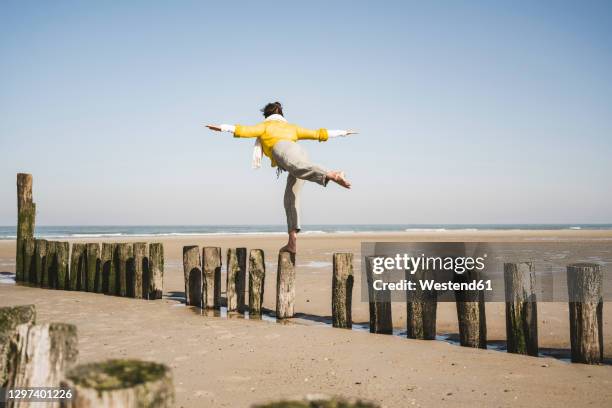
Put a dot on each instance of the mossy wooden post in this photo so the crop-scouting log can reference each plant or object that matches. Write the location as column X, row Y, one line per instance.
column 141, row 270
column 39, row 355
column 342, row 290
column 29, row 247
column 122, row 258
column 236, row 279
column 285, row 285
column 10, row 318
column 108, row 283
column 77, row 265
column 471, row 312
column 421, row 307
column 257, row 277
column 49, row 274
column 521, row 308
column 192, row 272
column 92, row 266
column 40, row 261
column 62, row 250
column 120, row 384
column 156, row 271
column 26, row 215
column 585, row 291
column 211, row 282
column 380, row 303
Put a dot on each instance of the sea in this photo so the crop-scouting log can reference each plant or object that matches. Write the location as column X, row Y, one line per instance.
column 94, row 231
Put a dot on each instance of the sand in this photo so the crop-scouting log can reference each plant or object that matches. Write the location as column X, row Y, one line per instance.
column 231, row 362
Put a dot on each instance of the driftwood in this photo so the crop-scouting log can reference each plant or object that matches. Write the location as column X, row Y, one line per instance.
column 10, row 318
column 211, row 282
column 342, row 290
column 120, row 384
column 257, row 277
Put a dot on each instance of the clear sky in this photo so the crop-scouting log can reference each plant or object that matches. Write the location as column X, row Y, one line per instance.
column 469, row 112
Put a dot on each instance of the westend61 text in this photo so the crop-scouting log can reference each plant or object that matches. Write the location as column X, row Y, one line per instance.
column 430, row 284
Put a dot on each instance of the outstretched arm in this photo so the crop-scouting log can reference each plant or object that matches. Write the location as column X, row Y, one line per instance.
column 336, row 133
column 322, row 134
column 239, row 130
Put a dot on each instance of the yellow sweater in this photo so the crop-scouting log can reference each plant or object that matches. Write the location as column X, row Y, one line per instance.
column 271, row 131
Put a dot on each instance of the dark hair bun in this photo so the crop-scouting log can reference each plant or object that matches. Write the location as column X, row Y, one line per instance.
column 272, row 108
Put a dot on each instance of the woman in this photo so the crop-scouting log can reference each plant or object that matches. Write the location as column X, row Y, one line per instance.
column 277, row 138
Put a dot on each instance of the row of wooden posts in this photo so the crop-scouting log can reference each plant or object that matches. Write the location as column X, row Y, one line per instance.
column 121, row 269
column 585, row 294
column 45, row 355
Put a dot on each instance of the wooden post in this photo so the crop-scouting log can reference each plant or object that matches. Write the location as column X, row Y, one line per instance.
column 421, row 308
column 521, row 308
column 39, row 355
column 156, row 270
column 77, row 265
column 62, row 250
column 49, row 266
column 285, row 285
column 123, row 258
column 192, row 271
column 257, row 277
column 585, row 288
column 211, row 282
column 40, row 260
column 26, row 215
column 342, row 290
column 92, row 267
column 471, row 312
column 141, row 270
column 108, row 283
column 381, row 321
column 29, row 262
column 10, row 318
column 120, row 384
column 236, row 279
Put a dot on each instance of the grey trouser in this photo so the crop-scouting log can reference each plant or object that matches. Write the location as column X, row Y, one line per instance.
column 291, row 157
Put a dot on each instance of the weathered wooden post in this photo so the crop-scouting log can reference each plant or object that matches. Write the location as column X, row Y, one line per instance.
column 120, row 384
column 123, row 257
column 62, row 250
column 108, row 283
column 342, row 290
column 39, row 355
column 156, row 270
column 585, row 288
column 381, row 321
column 49, row 266
column 40, row 261
column 92, row 266
column 77, row 266
column 521, row 308
column 421, row 307
column 257, row 277
column 29, row 262
column 471, row 312
column 236, row 279
column 26, row 215
column 285, row 285
column 10, row 318
column 192, row 271
column 211, row 282
column 141, row 270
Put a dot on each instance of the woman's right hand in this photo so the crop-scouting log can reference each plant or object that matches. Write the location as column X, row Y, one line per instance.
column 351, row 132
column 216, row 128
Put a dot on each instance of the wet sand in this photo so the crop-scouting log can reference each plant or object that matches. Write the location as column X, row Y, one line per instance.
column 237, row 362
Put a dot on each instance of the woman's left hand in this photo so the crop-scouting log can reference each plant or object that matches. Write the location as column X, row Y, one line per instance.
column 351, row 132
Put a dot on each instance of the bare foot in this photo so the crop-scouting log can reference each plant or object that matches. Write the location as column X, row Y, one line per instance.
column 288, row 248
column 339, row 178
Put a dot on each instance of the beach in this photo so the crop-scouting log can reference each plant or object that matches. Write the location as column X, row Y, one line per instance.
column 235, row 362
